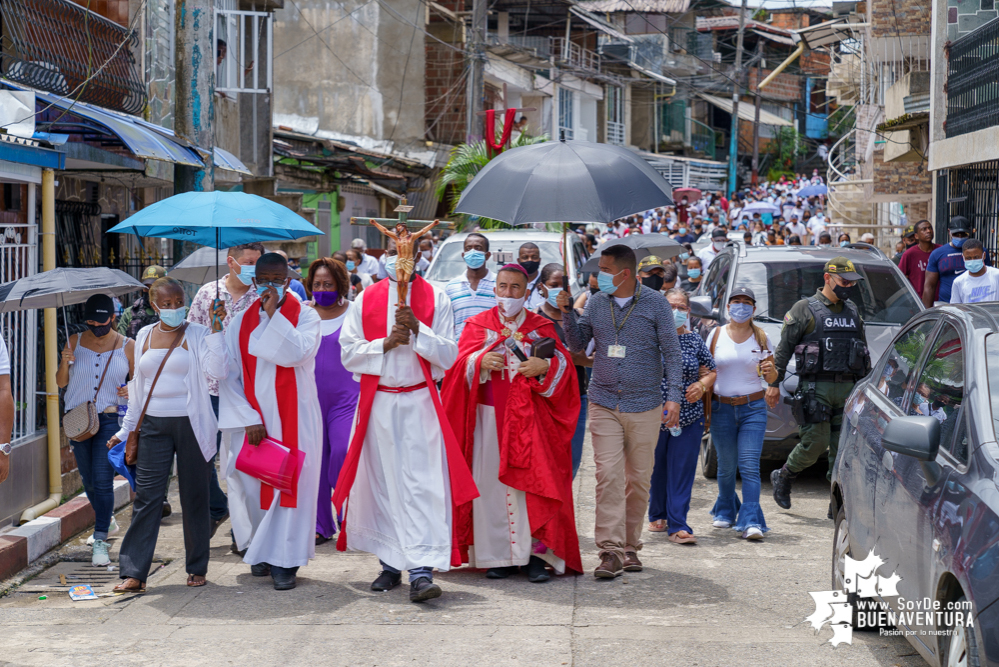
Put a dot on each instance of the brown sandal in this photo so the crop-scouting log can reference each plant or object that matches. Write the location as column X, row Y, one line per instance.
column 682, row 537
column 658, row 526
column 194, row 583
column 126, row 587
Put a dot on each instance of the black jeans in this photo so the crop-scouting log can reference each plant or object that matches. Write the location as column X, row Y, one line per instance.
column 161, row 438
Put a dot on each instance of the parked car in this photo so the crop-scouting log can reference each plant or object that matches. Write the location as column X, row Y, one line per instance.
column 915, row 478
column 780, row 276
column 504, row 245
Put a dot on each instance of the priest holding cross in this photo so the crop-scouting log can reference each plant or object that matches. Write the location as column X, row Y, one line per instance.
column 404, row 473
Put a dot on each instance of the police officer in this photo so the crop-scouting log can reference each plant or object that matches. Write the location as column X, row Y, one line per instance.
column 826, row 335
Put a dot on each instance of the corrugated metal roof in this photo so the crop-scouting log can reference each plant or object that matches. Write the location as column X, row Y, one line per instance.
column 732, row 23
column 649, row 6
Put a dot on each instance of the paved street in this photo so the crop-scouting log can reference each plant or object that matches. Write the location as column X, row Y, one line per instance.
column 722, row 602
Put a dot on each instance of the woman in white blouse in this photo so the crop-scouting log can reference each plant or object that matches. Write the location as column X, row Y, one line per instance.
column 179, row 420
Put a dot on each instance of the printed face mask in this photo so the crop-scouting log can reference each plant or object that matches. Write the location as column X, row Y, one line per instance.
column 509, row 306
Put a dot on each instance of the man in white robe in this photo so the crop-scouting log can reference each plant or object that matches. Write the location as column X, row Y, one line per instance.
column 396, row 480
column 278, row 536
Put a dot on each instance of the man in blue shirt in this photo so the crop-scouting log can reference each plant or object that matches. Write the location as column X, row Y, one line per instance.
column 946, row 263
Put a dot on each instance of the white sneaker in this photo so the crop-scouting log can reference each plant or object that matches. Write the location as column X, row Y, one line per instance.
column 112, row 529
column 100, row 556
column 753, row 534
column 721, row 523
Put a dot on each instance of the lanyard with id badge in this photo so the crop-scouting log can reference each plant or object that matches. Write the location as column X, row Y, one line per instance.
column 616, row 351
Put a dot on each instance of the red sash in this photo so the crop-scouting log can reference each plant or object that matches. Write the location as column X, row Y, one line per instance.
column 375, row 319
column 285, row 390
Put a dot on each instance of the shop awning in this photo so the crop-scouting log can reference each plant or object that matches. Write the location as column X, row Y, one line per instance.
column 746, row 111
column 226, row 160
column 652, row 75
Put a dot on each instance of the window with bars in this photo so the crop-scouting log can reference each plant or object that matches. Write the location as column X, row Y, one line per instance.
column 566, row 98
column 614, row 104
column 973, row 191
column 243, row 42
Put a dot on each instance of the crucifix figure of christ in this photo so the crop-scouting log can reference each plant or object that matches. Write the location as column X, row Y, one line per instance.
column 405, row 242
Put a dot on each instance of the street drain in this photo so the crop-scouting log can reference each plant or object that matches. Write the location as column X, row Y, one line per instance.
column 64, row 575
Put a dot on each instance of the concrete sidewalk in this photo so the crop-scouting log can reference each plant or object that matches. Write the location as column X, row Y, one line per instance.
column 723, row 602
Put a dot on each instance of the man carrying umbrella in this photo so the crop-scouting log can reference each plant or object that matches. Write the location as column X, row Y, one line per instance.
column 141, row 313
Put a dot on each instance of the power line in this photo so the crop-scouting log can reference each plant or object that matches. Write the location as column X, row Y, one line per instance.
column 342, row 18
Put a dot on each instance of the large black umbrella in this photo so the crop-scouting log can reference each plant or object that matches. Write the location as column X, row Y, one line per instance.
column 564, row 181
column 644, row 245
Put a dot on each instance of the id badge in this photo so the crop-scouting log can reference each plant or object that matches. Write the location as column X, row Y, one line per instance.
column 616, row 351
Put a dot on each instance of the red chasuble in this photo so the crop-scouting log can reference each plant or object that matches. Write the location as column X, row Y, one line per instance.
column 536, row 421
column 375, row 312
column 285, row 391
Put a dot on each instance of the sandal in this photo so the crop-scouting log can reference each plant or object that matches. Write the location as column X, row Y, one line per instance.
column 682, row 537
column 657, row 526
column 128, row 586
column 192, row 580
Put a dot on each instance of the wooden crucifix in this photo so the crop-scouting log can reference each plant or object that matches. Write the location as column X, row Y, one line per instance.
column 405, row 241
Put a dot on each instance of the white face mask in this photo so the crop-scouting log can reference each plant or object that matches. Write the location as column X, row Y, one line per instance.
column 718, row 245
column 510, row 307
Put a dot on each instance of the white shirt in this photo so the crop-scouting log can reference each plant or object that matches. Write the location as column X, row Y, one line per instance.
column 369, row 265
column 971, row 289
column 737, row 365
column 707, row 255
column 4, row 358
column 797, row 228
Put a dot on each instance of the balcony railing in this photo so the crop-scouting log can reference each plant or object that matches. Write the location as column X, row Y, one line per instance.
column 973, row 81
column 59, row 46
column 572, row 54
column 615, row 133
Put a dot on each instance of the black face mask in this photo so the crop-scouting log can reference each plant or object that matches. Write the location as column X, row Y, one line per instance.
column 594, row 290
column 99, row 329
column 842, row 293
column 530, row 267
column 653, row 282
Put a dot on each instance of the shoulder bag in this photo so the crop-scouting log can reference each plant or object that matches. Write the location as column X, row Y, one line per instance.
column 132, row 444
column 83, row 421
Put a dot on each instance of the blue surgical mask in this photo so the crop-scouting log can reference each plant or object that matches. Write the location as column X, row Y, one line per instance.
column 553, row 297
column 843, row 244
column 247, row 272
column 390, row 267
column 919, row 399
column 606, row 282
column 683, row 230
column 684, row 256
column 474, row 258
column 693, row 274
column 263, row 288
column 173, row 317
column 957, row 243
column 974, row 265
column 680, row 318
column 351, row 265
column 740, row 312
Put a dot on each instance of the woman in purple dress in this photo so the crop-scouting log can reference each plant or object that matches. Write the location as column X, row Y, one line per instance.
column 328, row 284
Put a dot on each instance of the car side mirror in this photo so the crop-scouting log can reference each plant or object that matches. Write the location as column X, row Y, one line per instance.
column 918, row 437
column 700, row 306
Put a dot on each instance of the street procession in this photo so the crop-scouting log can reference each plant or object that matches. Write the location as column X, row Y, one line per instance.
column 573, row 332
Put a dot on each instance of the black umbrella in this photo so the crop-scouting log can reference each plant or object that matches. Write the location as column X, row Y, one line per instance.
column 64, row 287
column 565, row 181
column 644, row 245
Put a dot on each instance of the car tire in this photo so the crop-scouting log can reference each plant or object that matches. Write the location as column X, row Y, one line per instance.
column 709, row 458
column 841, row 549
column 960, row 649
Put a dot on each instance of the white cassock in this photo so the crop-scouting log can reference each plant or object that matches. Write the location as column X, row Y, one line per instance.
column 399, row 507
column 281, row 536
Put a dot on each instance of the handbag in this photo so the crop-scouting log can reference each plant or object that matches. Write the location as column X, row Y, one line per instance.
column 272, row 463
column 83, row 421
column 132, row 443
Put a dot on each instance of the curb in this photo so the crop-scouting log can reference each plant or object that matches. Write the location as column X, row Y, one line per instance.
column 26, row 544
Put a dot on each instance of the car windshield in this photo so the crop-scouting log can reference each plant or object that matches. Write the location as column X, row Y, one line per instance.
column 449, row 264
column 882, row 297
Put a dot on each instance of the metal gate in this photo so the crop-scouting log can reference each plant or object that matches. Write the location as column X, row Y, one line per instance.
column 19, row 259
column 974, row 193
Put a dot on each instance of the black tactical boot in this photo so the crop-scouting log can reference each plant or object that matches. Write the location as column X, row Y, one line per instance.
column 782, row 480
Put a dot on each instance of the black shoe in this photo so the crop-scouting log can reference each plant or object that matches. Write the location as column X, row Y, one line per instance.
column 386, row 581
column 167, row 510
column 322, row 539
column 260, row 569
column 782, row 480
column 284, row 577
column 829, row 514
column 501, row 572
column 423, row 589
column 216, row 523
column 536, row 571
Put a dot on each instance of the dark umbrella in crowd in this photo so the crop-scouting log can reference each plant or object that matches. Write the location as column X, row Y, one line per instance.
column 644, row 245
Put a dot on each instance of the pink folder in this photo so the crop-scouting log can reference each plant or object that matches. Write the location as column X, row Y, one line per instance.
column 272, row 463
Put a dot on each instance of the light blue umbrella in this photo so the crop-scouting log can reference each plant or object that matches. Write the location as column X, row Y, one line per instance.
column 812, row 191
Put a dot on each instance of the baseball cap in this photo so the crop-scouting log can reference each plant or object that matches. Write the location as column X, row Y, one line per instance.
column 650, row 262
column 909, row 231
column 959, row 223
column 843, row 268
column 153, row 273
column 742, row 291
column 98, row 308
column 718, row 233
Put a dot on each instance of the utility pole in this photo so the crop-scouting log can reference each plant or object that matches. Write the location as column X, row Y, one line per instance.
column 194, row 112
column 756, row 117
column 736, row 85
column 476, row 74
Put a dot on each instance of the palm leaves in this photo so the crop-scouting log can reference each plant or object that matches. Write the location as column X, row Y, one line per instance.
column 464, row 163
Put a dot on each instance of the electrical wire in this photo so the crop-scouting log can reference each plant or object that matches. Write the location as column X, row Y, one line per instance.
column 342, row 18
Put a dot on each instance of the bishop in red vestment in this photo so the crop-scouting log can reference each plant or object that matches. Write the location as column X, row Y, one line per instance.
column 514, row 422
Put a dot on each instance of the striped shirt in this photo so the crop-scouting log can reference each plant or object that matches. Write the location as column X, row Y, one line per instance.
column 86, row 371
column 634, row 383
column 466, row 302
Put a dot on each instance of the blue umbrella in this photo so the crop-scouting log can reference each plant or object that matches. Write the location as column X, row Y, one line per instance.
column 812, row 191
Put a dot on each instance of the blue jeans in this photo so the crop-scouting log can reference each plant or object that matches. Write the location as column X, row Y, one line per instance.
column 737, row 433
column 218, row 504
column 673, row 476
column 577, row 437
column 414, row 573
column 98, row 475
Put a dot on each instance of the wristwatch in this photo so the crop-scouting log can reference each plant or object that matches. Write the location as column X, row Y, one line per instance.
column 5, row 449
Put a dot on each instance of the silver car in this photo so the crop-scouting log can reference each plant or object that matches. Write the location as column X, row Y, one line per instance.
column 782, row 275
